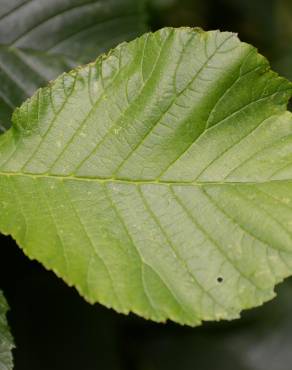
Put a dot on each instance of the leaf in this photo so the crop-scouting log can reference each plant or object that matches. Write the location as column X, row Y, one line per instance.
column 40, row 39
column 6, row 341
column 157, row 180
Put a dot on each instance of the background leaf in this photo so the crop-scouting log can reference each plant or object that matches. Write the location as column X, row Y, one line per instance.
column 6, row 341
column 79, row 31
column 122, row 171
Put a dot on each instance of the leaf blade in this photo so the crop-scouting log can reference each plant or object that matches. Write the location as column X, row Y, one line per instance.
column 6, row 341
column 79, row 31
column 136, row 122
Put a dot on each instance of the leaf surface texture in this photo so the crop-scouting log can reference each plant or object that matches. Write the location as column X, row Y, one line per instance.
column 157, row 180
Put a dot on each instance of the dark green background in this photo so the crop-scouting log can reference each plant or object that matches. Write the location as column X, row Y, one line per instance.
column 55, row 329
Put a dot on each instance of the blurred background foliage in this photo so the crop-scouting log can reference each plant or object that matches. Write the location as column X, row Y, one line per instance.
column 55, row 329
column 267, row 24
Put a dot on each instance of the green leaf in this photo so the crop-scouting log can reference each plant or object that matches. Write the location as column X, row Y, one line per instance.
column 157, row 179
column 6, row 341
column 40, row 41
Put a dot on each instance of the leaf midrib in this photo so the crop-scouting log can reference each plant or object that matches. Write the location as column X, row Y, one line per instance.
column 102, row 180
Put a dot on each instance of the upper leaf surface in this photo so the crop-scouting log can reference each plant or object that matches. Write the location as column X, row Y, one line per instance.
column 6, row 341
column 157, row 179
column 40, row 39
